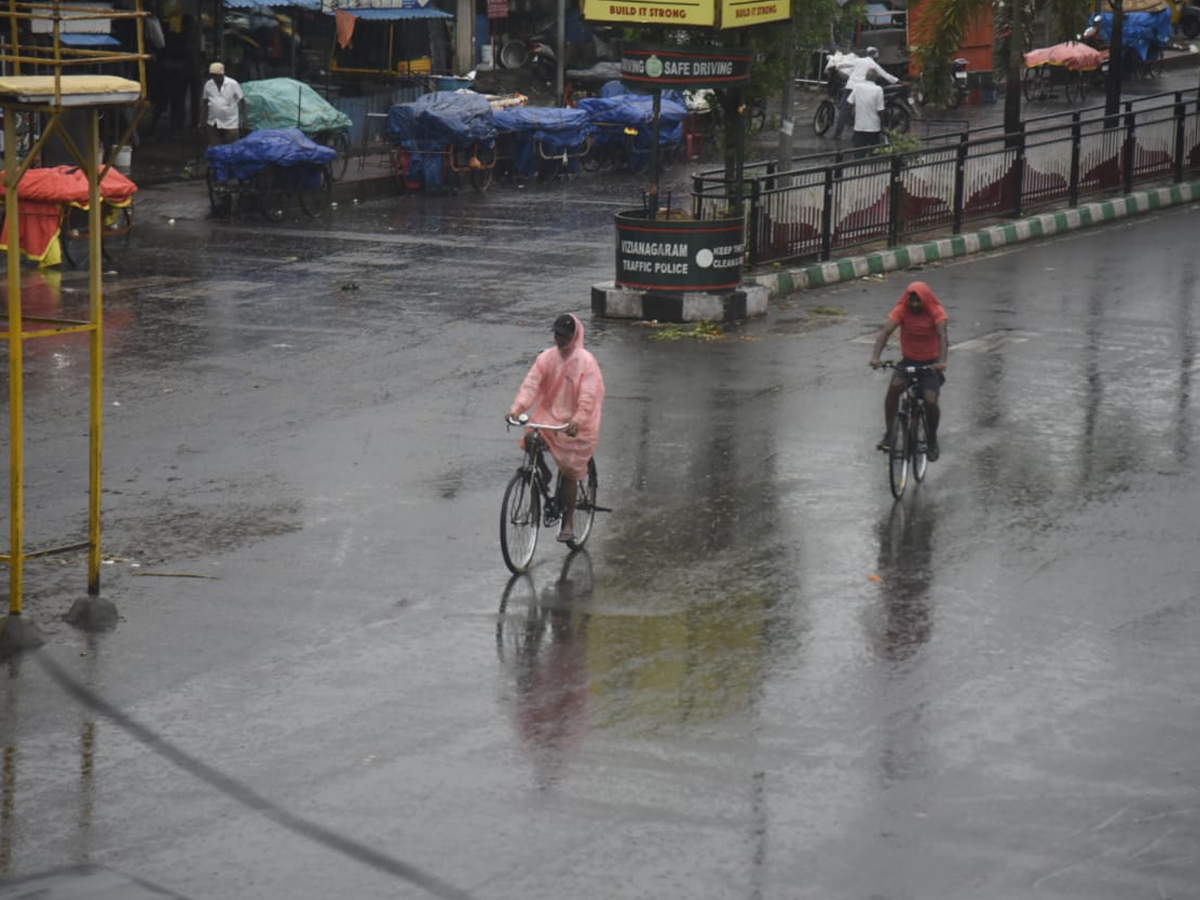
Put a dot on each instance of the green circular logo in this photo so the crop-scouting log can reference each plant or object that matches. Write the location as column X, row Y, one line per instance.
column 654, row 67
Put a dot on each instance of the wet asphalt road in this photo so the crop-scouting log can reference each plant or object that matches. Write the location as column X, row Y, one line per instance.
column 762, row 679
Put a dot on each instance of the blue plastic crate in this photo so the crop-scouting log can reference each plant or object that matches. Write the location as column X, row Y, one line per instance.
column 449, row 82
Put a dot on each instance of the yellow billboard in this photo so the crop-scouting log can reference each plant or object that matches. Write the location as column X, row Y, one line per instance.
column 651, row 12
column 740, row 13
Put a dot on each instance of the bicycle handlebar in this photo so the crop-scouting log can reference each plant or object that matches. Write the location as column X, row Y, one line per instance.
column 911, row 370
column 522, row 421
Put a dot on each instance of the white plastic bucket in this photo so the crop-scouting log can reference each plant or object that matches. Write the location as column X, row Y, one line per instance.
column 123, row 159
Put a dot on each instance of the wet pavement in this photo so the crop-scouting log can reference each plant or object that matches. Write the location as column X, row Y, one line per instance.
column 762, row 678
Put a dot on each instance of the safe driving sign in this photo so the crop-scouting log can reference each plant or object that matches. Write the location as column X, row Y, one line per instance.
column 685, row 68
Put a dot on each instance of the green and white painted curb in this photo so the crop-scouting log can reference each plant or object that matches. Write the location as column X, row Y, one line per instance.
column 788, row 281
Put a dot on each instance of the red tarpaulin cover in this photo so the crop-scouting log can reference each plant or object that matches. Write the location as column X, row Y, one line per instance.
column 42, row 191
column 1073, row 55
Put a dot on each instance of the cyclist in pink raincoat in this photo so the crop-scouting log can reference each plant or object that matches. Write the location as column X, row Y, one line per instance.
column 564, row 385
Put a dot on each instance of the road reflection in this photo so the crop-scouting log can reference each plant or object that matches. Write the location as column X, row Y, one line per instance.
column 905, row 572
column 542, row 637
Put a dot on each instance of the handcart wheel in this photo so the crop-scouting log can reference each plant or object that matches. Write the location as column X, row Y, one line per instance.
column 477, row 160
column 1031, row 83
column 340, row 142
column 481, row 174
column 1081, row 85
column 270, row 193
column 216, row 197
column 316, row 191
column 401, row 163
column 595, row 157
column 637, row 151
column 116, row 228
column 549, row 164
column 1072, row 87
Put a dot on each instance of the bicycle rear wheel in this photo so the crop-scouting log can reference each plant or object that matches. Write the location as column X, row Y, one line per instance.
column 585, row 507
column 898, row 456
column 918, row 446
column 519, row 520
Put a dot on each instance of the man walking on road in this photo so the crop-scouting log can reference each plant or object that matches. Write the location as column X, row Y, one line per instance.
column 924, row 341
column 856, row 76
column 222, row 107
column 866, row 100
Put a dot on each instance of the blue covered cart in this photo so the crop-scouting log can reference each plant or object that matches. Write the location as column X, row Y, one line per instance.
column 535, row 141
column 1143, row 36
column 266, row 169
column 287, row 103
column 441, row 136
column 623, row 129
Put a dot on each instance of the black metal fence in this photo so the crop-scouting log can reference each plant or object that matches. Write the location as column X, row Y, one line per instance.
column 829, row 203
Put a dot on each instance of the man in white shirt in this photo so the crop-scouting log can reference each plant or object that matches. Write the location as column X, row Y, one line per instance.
column 867, row 101
column 858, row 74
column 222, row 107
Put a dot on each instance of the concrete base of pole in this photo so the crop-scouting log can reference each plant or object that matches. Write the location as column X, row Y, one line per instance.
column 93, row 614
column 17, row 634
column 610, row 301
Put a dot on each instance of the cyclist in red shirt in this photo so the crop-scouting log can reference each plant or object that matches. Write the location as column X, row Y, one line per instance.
column 923, row 342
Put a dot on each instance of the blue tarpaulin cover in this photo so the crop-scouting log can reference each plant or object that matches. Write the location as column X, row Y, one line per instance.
column 433, row 124
column 635, row 110
column 1140, row 31
column 279, row 146
column 544, row 130
column 439, row 120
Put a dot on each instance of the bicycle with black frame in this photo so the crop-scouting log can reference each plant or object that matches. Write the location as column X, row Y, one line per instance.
column 908, row 440
column 529, row 503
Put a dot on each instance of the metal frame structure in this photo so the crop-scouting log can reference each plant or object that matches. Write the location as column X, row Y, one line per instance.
column 40, row 83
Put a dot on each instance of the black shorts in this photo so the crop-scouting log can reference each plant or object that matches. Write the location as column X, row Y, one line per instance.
column 930, row 380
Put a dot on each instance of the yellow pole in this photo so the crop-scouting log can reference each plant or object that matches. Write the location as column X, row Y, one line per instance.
column 96, row 318
column 16, row 386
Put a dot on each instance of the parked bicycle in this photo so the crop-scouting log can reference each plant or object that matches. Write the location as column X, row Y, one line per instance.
column 910, row 432
column 529, row 503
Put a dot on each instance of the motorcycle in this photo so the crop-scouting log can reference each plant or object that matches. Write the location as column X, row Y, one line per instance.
column 958, row 88
column 898, row 108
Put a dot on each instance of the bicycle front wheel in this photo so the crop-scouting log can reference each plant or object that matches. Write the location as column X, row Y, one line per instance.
column 898, row 457
column 585, row 507
column 918, row 445
column 519, row 519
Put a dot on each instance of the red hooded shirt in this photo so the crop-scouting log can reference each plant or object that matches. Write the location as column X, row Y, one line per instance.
column 919, row 331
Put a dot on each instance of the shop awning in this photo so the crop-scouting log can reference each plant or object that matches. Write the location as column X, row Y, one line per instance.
column 267, row 4
column 410, row 9
column 391, row 15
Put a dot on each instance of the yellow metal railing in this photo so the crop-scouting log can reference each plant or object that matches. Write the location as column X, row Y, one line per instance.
column 43, row 91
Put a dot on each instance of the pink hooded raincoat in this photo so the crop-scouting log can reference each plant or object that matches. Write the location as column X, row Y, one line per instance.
column 566, row 386
column 918, row 331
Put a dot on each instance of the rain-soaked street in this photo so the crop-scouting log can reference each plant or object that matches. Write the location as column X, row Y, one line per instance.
column 761, row 679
